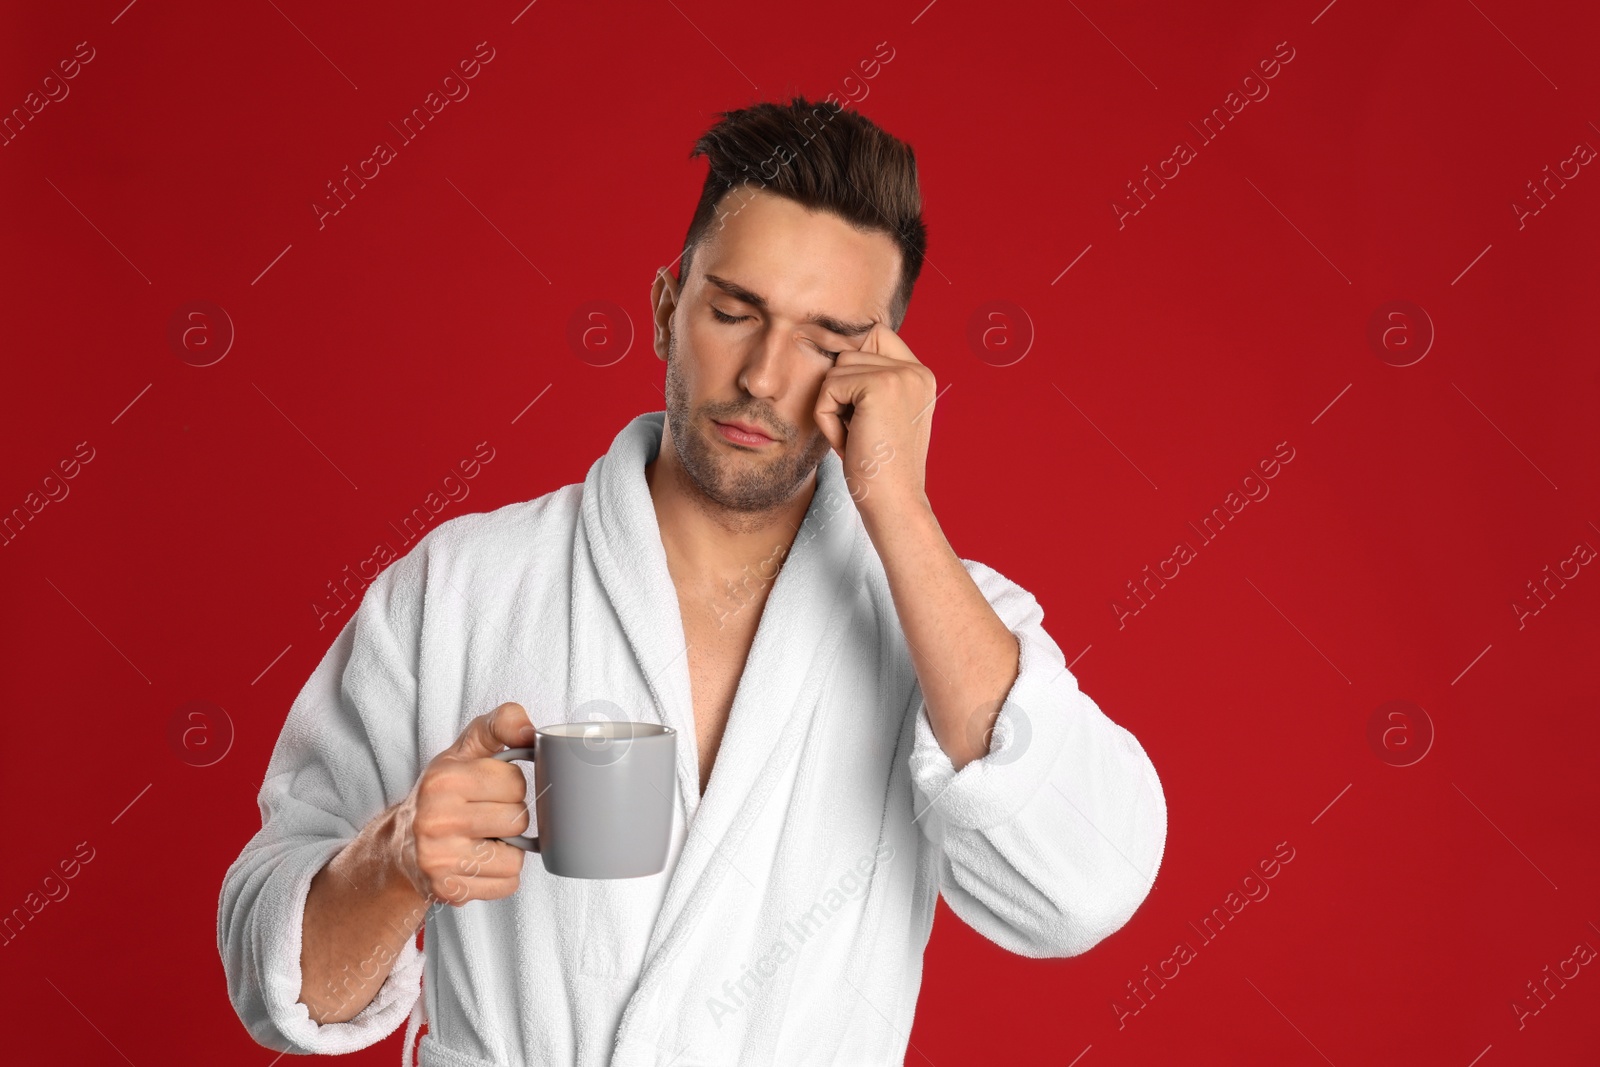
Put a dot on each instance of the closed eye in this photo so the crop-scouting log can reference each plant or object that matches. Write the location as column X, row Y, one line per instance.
column 721, row 316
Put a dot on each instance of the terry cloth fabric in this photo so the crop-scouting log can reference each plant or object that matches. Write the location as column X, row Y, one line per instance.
column 789, row 924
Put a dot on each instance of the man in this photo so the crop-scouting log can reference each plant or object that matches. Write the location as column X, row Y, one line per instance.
column 874, row 721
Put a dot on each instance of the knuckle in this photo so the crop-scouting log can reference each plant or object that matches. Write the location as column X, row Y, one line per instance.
column 432, row 784
column 428, row 862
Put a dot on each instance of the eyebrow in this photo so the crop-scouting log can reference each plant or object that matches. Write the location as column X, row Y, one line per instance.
column 818, row 318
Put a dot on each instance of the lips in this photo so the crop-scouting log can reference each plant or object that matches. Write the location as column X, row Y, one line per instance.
column 745, row 427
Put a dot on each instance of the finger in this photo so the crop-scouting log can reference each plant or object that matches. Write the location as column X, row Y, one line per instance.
column 487, row 858
column 507, row 862
column 486, row 781
column 839, row 373
column 495, row 818
column 832, row 428
column 507, row 726
column 882, row 341
column 864, row 357
column 483, row 889
column 835, row 400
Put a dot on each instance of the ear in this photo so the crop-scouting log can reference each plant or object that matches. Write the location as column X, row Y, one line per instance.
column 663, row 303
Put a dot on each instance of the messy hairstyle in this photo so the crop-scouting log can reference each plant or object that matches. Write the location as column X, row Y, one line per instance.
column 826, row 158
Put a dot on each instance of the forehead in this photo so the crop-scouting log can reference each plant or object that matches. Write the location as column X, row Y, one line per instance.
column 800, row 260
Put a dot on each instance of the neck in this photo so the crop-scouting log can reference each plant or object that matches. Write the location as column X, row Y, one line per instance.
column 707, row 541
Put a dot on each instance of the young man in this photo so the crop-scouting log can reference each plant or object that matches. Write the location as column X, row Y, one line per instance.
column 865, row 721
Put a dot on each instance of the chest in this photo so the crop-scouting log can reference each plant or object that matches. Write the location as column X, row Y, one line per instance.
column 719, row 643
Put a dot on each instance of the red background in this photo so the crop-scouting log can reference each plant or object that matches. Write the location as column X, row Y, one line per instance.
column 1228, row 315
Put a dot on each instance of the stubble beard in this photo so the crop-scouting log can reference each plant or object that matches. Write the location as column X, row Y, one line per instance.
column 740, row 482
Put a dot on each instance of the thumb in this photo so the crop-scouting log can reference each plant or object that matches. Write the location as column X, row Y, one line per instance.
column 507, row 726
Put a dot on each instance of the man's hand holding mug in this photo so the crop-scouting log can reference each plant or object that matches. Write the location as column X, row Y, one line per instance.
column 446, row 830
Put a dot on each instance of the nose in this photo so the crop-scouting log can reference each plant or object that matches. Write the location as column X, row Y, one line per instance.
column 768, row 365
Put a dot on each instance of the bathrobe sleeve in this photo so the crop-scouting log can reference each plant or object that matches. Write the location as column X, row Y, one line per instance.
column 1050, row 842
column 347, row 750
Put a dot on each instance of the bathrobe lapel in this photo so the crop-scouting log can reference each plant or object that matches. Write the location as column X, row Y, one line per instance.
column 778, row 693
column 619, row 539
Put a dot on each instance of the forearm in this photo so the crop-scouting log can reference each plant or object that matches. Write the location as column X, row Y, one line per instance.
column 359, row 914
column 965, row 657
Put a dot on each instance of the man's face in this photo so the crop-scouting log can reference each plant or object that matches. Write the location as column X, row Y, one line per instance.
column 765, row 370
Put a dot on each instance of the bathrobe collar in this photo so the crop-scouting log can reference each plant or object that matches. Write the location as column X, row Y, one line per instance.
column 619, row 520
column 795, row 643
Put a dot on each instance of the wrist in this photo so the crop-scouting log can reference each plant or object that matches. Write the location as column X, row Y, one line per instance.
column 391, row 856
column 899, row 522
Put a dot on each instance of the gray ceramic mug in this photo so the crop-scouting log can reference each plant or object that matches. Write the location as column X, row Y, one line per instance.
column 603, row 797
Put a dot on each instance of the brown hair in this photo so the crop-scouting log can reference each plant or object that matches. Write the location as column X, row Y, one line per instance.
column 842, row 164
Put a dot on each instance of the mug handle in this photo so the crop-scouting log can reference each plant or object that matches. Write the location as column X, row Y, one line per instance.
column 527, row 844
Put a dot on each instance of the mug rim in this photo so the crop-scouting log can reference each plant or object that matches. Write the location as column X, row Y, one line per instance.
column 579, row 730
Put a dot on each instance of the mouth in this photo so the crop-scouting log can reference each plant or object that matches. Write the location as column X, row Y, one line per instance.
column 743, row 434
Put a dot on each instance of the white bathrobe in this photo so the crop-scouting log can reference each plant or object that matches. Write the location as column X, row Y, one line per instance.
column 790, row 922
